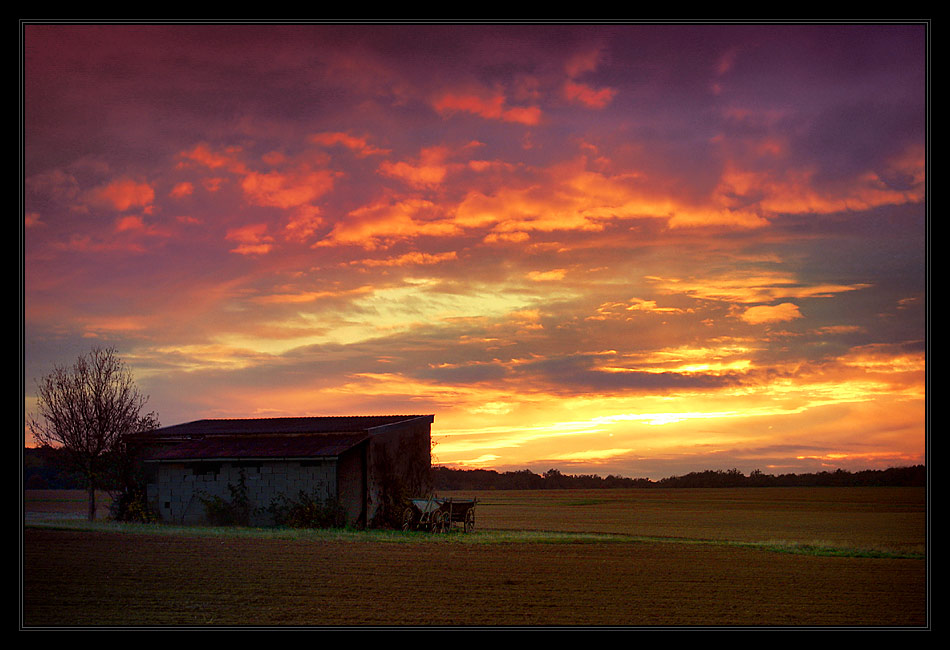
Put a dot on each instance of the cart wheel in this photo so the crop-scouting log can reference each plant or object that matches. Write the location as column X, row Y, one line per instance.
column 438, row 522
column 470, row 520
column 408, row 516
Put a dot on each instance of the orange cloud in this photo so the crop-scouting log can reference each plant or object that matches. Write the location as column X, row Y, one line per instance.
column 510, row 237
column 252, row 239
column 795, row 192
column 771, row 314
column 487, row 107
column 621, row 310
column 108, row 324
column 485, row 165
column 303, row 223
column 384, row 222
column 281, row 190
column 304, row 296
column 883, row 358
column 750, row 287
column 359, row 145
column 428, row 172
column 411, row 259
column 547, row 276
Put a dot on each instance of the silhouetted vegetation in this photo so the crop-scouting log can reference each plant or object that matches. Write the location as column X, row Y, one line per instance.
column 446, row 478
column 41, row 471
column 306, row 511
column 87, row 409
column 234, row 512
column 45, row 468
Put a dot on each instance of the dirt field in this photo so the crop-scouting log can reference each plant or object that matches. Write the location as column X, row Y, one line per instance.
column 84, row 578
column 872, row 518
column 95, row 578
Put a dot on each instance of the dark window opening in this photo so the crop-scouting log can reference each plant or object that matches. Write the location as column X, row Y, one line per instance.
column 205, row 469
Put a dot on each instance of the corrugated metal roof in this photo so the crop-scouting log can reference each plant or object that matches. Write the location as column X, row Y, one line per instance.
column 303, row 437
column 276, row 426
column 264, row 447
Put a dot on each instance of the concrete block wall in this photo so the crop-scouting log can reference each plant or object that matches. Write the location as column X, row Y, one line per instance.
column 179, row 488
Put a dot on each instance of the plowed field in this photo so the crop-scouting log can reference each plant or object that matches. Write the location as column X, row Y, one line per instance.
column 89, row 578
column 86, row 578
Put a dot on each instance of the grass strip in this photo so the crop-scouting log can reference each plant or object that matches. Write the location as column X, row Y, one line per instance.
column 454, row 537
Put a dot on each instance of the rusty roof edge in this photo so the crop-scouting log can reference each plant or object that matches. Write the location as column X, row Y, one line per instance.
column 188, row 428
column 238, row 459
column 376, row 429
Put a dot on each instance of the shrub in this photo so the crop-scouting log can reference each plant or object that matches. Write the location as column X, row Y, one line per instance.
column 37, row 482
column 131, row 506
column 306, row 511
column 234, row 512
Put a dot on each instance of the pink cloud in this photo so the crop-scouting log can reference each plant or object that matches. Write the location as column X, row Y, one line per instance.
column 591, row 97
column 182, row 189
column 86, row 244
column 203, row 155
column 490, row 106
column 131, row 222
column 529, row 115
column 486, row 165
column 213, row 184
column 582, row 62
column 121, row 195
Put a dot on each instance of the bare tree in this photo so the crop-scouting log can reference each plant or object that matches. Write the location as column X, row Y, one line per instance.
column 86, row 409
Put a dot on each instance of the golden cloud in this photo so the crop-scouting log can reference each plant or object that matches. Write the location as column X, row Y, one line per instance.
column 771, row 314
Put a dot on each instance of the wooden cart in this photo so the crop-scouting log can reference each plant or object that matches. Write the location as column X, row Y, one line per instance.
column 438, row 515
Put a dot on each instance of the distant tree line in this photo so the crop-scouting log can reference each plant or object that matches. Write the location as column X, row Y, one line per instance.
column 447, row 478
column 44, row 470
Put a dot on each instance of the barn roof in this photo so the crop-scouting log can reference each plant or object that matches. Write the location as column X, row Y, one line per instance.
column 276, row 426
column 263, row 447
column 268, row 438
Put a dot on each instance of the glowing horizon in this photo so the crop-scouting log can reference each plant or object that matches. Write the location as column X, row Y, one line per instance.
column 582, row 247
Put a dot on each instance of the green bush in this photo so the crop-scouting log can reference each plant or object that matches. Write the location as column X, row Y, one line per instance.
column 306, row 511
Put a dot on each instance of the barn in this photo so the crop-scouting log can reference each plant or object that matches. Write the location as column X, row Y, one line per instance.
column 365, row 464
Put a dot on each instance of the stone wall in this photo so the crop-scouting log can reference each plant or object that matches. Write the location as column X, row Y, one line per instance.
column 178, row 487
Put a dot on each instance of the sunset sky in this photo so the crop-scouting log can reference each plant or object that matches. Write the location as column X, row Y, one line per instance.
column 641, row 250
